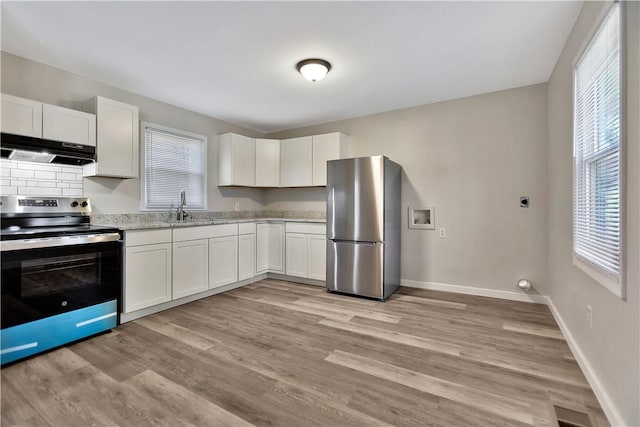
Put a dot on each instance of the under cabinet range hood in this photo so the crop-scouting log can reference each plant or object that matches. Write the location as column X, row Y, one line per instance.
column 30, row 149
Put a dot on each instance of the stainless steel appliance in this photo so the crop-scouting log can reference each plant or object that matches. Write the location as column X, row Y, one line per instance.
column 61, row 276
column 30, row 149
column 363, row 226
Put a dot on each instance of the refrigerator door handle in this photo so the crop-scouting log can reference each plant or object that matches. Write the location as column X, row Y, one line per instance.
column 359, row 242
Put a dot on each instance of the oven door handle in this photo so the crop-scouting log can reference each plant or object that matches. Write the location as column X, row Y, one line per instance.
column 50, row 242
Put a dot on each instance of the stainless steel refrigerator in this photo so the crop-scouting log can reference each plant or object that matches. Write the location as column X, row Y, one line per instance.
column 363, row 226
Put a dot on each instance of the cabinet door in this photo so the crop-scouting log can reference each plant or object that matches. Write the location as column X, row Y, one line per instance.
column 276, row 248
column 296, row 156
column 296, row 250
column 267, row 163
column 244, row 161
column 317, row 257
column 21, row 116
column 147, row 276
column 325, row 147
column 223, row 261
column 117, row 139
column 63, row 124
column 236, row 160
column 262, row 248
column 190, row 267
column 246, row 256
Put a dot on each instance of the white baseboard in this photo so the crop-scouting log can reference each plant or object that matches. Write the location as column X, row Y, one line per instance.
column 470, row 290
column 612, row 413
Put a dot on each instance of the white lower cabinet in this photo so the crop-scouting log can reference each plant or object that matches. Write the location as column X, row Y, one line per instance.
column 262, row 248
column 297, row 254
column 162, row 265
column 317, row 258
column 270, row 248
column 148, row 269
column 246, row 250
column 190, row 267
column 306, row 250
column 276, row 248
column 223, row 261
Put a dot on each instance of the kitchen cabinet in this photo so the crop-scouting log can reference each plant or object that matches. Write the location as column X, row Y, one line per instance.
column 147, row 268
column 269, row 248
column 296, row 162
column 276, row 248
column 267, row 162
column 329, row 146
column 117, row 138
column 21, row 116
column 223, row 254
column 63, row 124
column 306, row 250
column 236, row 160
column 296, row 254
column 246, row 250
column 190, row 262
column 317, row 258
column 262, row 248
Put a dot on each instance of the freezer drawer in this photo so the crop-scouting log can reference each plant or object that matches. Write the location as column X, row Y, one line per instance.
column 355, row 268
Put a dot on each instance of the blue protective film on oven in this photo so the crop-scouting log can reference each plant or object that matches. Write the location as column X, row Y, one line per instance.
column 44, row 334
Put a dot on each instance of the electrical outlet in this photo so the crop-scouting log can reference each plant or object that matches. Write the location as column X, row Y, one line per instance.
column 443, row 232
column 590, row 316
column 237, row 206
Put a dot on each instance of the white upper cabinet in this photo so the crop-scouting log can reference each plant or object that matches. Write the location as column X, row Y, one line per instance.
column 118, row 139
column 21, row 116
column 267, row 162
column 236, row 160
column 296, row 162
column 63, row 124
column 329, row 146
column 293, row 162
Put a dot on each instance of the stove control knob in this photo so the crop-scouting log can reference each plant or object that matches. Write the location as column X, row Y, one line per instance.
column 74, row 204
column 84, row 204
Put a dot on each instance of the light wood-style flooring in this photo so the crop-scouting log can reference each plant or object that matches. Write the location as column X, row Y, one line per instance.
column 284, row 354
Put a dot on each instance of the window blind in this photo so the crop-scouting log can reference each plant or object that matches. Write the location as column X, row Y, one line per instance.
column 596, row 186
column 174, row 161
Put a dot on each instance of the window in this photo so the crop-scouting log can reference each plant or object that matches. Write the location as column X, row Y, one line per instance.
column 597, row 142
column 173, row 161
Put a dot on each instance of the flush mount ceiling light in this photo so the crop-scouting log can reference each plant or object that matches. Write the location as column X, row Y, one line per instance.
column 313, row 69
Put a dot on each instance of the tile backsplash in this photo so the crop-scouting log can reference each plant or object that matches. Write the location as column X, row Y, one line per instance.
column 40, row 179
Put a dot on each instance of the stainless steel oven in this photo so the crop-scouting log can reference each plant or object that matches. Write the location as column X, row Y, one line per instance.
column 61, row 276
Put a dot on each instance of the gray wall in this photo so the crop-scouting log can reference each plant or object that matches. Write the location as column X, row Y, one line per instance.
column 611, row 347
column 471, row 158
column 28, row 79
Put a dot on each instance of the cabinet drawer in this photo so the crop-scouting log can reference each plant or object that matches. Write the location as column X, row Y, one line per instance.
column 221, row 230
column 183, row 234
column 147, row 237
column 247, row 228
column 306, row 227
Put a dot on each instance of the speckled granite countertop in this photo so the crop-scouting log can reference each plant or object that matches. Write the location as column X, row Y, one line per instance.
column 139, row 221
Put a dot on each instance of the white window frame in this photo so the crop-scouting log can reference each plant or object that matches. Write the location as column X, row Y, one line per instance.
column 143, row 161
column 616, row 286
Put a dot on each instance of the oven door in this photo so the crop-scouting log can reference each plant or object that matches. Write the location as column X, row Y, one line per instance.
column 47, row 277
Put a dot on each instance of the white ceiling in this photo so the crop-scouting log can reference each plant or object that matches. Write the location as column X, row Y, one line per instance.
column 236, row 60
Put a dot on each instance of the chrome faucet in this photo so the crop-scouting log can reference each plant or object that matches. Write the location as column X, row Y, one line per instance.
column 181, row 215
